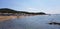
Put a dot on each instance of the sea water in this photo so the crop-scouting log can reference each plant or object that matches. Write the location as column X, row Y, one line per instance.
column 32, row 22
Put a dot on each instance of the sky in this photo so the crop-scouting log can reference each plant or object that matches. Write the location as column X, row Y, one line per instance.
column 47, row 6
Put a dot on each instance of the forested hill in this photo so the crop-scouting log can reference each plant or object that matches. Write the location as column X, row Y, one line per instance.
column 7, row 10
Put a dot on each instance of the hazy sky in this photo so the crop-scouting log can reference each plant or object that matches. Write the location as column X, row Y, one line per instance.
column 47, row 6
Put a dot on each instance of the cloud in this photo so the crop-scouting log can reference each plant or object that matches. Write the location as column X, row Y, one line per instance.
column 32, row 9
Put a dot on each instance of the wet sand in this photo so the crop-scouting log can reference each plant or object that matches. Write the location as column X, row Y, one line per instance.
column 3, row 18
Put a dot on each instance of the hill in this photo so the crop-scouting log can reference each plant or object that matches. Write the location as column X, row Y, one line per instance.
column 7, row 10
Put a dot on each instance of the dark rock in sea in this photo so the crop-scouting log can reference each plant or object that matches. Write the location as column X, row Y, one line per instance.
column 54, row 23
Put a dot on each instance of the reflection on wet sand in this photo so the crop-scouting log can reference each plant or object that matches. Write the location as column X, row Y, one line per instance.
column 3, row 18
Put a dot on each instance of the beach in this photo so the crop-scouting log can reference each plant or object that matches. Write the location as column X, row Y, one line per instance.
column 3, row 18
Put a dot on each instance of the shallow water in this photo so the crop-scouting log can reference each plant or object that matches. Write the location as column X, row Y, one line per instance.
column 32, row 22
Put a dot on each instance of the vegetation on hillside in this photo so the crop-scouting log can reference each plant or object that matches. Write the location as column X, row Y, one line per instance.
column 7, row 10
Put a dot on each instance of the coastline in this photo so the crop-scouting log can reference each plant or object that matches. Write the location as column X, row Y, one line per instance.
column 3, row 18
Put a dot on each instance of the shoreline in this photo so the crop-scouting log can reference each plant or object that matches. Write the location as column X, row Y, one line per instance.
column 3, row 18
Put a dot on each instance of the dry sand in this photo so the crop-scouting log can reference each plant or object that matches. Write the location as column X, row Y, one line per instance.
column 3, row 18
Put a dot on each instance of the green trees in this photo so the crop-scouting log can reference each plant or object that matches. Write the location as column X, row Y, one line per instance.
column 7, row 10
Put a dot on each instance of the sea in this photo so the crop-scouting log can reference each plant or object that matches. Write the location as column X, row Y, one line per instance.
column 32, row 22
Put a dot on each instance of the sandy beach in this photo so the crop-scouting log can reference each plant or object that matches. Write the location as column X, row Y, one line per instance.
column 3, row 18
